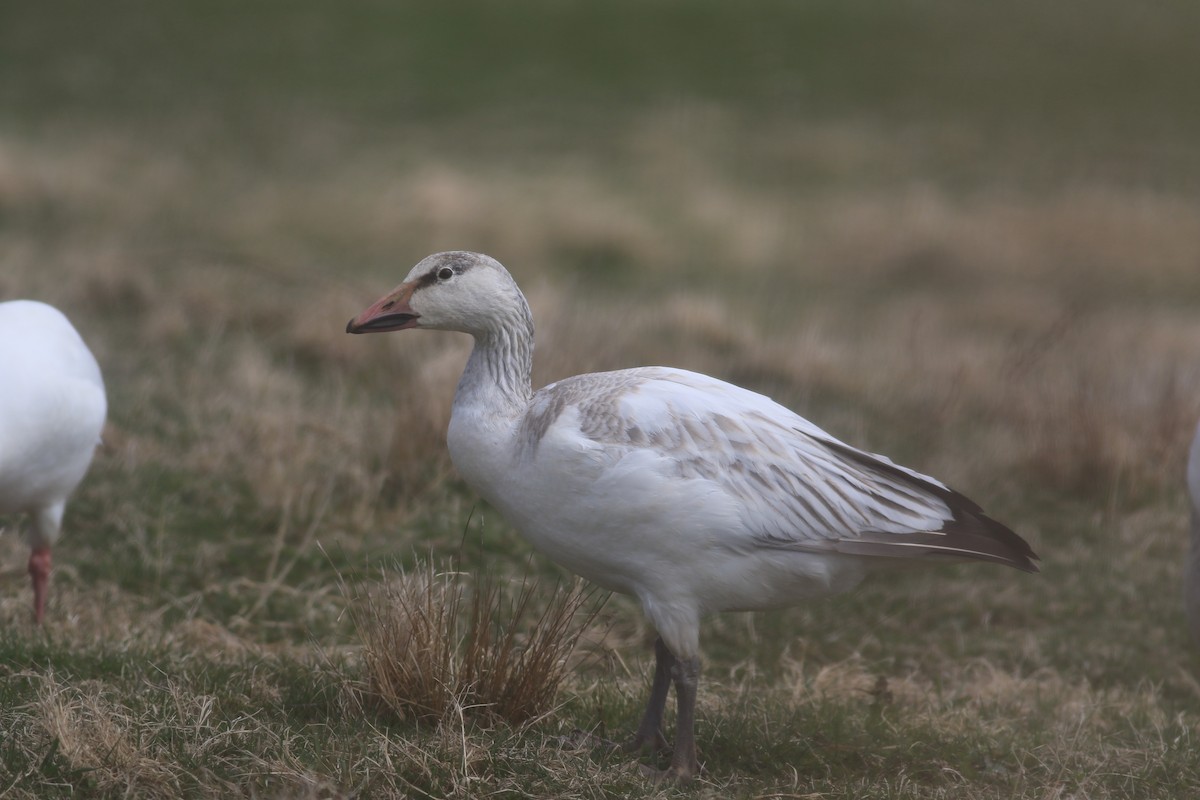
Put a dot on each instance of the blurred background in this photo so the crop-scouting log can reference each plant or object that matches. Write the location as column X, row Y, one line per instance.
column 653, row 146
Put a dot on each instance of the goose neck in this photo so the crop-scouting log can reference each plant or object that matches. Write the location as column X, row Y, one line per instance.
column 498, row 373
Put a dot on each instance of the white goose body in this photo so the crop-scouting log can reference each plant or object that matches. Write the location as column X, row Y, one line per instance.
column 1191, row 578
column 52, row 409
column 687, row 492
column 648, row 482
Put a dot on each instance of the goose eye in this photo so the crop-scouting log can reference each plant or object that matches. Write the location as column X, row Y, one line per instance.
column 445, row 274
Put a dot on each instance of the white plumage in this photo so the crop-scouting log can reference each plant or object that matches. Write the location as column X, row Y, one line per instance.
column 52, row 408
column 691, row 494
column 1191, row 578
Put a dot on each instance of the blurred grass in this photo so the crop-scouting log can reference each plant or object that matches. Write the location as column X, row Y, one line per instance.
column 1030, row 90
column 1027, row 63
column 963, row 234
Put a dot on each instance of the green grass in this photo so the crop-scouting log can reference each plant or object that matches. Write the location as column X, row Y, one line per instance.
column 958, row 233
column 387, row 62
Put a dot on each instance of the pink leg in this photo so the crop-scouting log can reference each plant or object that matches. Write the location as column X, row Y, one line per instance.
column 39, row 570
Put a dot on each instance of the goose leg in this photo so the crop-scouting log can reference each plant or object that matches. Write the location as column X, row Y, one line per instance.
column 684, row 764
column 649, row 734
column 39, row 571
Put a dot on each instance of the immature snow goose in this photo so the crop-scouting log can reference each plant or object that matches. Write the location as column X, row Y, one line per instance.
column 1191, row 577
column 691, row 494
column 52, row 407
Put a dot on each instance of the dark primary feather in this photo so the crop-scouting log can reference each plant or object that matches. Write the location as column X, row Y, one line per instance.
column 970, row 534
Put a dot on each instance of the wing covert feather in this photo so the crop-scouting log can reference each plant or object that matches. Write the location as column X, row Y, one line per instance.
column 795, row 486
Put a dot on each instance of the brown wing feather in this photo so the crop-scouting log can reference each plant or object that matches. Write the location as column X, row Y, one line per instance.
column 969, row 535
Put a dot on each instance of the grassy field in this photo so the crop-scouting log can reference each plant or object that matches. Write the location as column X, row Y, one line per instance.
column 960, row 233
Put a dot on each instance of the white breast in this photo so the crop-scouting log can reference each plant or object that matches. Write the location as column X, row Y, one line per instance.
column 52, row 407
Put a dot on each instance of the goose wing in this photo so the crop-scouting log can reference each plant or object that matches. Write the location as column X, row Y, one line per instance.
column 794, row 485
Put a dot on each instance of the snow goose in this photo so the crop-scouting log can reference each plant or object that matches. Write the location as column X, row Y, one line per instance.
column 1191, row 578
column 52, row 407
column 691, row 494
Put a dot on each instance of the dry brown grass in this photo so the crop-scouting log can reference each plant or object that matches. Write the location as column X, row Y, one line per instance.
column 435, row 647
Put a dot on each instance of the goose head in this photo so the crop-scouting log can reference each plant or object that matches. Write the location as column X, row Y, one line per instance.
column 452, row 291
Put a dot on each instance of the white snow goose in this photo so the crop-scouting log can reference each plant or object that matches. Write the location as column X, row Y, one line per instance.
column 691, row 494
column 52, row 408
column 1191, row 576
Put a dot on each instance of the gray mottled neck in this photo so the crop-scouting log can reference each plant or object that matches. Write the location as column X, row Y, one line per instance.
column 498, row 373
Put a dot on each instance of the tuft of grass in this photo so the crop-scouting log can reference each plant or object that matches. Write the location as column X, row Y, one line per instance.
column 436, row 644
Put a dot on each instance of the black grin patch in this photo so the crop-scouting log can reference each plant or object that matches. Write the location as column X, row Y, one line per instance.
column 386, row 322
